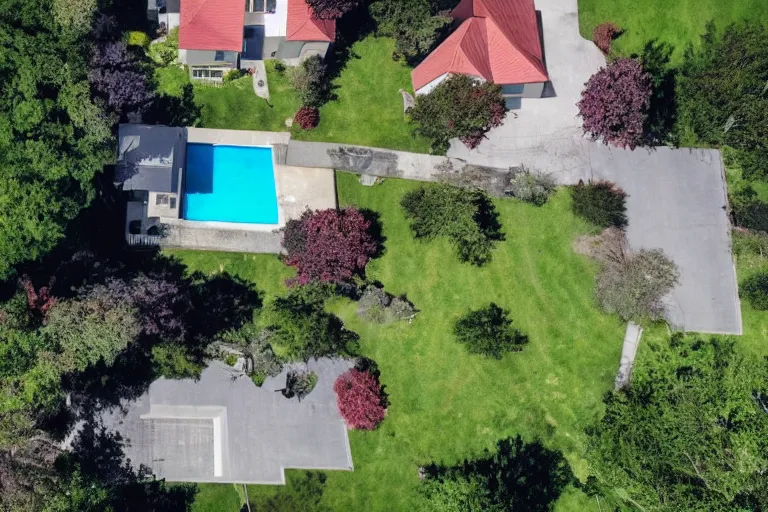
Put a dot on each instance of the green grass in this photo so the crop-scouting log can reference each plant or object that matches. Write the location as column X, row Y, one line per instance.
column 445, row 403
column 369, row 108
column 216, row 498
column 675, row 22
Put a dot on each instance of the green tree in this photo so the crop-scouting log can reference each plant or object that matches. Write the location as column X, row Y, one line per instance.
column 691, row 432
column 416, row 28
column 489, row 331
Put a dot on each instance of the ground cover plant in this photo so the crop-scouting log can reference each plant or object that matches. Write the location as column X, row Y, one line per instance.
column 466, row 217
column 556, row 382
column 458, row 107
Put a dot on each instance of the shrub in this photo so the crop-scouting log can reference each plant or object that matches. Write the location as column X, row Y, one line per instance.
column 360, row 399
column 614, row 104
column 755, row 290
column 174, row 361
column 488, row 331
column 311, row 81
column 601, row 202
column 721, row 94
column 328, row 245
column 307, row 117
column 604, row 34
column 299, row 384
column 376, row 305
column 467, row 217
column 332, row 9
column 458, row 107
column 532, row 187
column 634, row 288
column 304, row 329
column 234, row 74
column 166, row 52
column 749, row 211
column 137, row 38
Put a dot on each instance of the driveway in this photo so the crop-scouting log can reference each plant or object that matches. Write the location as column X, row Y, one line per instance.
column 677, row 197
column 544, row 133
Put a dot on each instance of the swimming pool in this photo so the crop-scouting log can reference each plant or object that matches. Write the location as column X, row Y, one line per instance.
column 230, row 184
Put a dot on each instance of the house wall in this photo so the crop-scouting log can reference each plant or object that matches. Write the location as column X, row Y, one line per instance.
column 271, row 45
column 275, row 23
column 431, row 85
column 534, row 90
column 171, row 19
column 208, row 58
column 297, row 50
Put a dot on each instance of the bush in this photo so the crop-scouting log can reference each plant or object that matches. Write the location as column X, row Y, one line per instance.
column 467, row 217
column 360, row 399
column 604, row 34
column 304, row 329
column 311, row 81
column 634, row 287
column 234, row 74
column 458, row 107
column 332, row 9
column 307, row 117
column 137, row 38
column 755, row 290
column 721, row 93
column 166, row 52
column 174, row 361
column 532, row 187
column 601, row 202
column 299, row 384
column 376, row 305
column 749, row 211
column 614, row 104
column 328, row 245
column 488, row 331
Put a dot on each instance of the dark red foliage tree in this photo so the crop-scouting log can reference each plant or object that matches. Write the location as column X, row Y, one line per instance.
column 360, row 400
column 41, row 300
column 332, row 9
column 614, row 104
column 328, row 245
column 307, row 117
column 117, row 77
column 604, row 34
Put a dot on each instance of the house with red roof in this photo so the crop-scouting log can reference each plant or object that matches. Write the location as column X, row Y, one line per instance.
column 216, row 36
column 494, row 40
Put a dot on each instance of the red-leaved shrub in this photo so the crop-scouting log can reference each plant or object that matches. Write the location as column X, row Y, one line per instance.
column 604, row 34
column 614, row 103
column 307, row 117
column 328, row 245
column 360, row 401
column 41, row 300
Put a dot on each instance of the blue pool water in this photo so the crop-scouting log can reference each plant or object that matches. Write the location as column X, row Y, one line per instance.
column 230, row 184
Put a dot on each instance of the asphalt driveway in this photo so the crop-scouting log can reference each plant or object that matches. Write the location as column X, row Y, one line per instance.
column 676, row 198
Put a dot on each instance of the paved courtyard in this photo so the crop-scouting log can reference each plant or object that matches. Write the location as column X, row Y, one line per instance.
column 222, row 428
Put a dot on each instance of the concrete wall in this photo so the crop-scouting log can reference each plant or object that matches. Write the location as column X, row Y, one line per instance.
column 171, row 19
column 534, row 90
column 271, row 45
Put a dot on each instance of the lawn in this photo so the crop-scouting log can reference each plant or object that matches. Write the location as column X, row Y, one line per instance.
column 367, row 110
column 445, row 403
column 676, row 23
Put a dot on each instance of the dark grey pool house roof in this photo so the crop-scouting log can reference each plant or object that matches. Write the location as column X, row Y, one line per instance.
column 150, row 158
column 222, row 428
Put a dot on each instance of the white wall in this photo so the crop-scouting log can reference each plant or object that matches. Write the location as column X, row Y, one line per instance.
column 431, row 85
column 275, row 23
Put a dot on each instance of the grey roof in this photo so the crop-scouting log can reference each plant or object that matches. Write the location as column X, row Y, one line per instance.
column 150, row 157
column 223, row 428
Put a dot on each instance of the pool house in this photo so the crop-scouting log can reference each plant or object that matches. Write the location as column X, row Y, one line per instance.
column 213, row 189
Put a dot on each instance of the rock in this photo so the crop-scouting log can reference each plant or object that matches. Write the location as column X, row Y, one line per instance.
column 368, row 180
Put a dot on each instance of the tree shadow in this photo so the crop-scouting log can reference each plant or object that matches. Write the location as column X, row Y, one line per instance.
column 487, row 218
column 376, row 230
column 662, row 113
column 517, row 476
column 351, row 28
column 174, row 110
column 221, row 303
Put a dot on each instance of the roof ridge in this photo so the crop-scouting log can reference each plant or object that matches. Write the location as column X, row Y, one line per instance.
column 199, row 8
column 532, row 59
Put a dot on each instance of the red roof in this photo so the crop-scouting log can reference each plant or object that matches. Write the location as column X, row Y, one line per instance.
column 303, row 26
column 497, row 40
column 212, row 25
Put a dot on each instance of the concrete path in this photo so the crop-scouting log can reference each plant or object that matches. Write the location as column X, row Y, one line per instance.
column 628, row 352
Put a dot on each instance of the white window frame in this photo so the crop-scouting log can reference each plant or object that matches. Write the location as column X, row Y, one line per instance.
column 207, row 70
column 250, row 6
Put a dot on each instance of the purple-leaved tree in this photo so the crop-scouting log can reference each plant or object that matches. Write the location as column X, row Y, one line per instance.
column 614, row 104
column 116, row 76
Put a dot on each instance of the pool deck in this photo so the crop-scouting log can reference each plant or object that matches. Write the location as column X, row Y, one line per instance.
column 298, row 189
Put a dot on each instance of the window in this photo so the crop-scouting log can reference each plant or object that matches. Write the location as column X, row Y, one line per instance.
column 215, row 74
column 512, row 90
column 260, row 5
column 218, row 56
column 163, row 200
